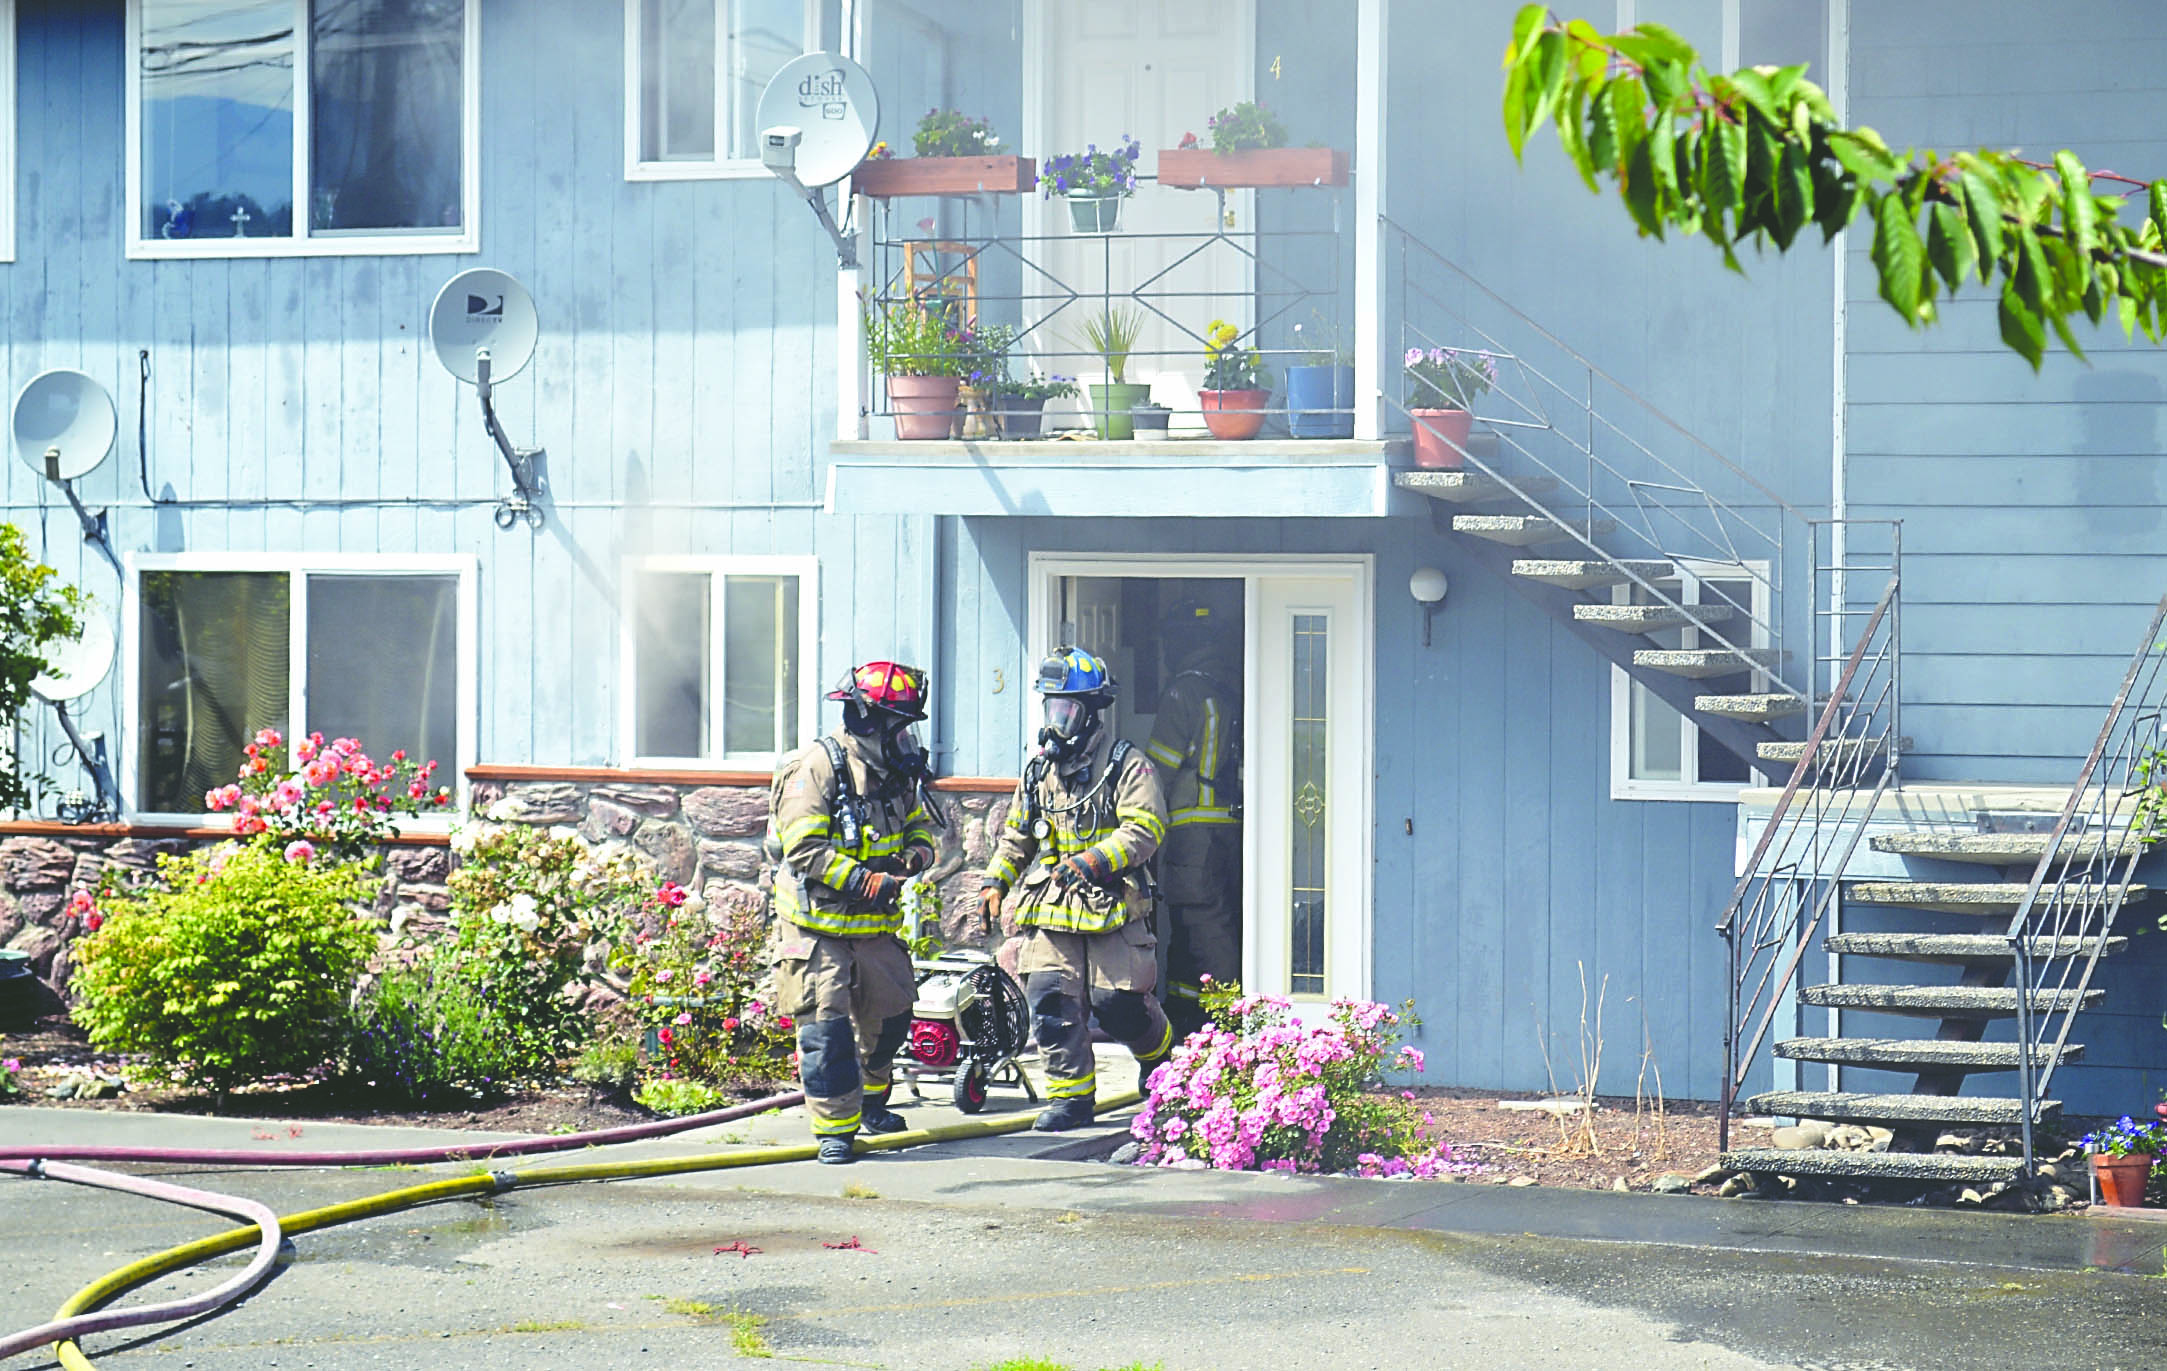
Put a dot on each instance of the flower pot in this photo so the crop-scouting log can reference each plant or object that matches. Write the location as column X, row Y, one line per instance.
column 1320, row 402
column 1195, row 168
column 2122, row 1179
column 1150, row 421
column 972, row 419
column 887, row 177
column 1094, row 213
column 1233, row 414
column 924, row 406
column 1441, row 437
column 1111, row 406
column 1021, row 417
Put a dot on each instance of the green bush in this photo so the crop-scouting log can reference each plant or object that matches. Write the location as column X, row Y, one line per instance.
column 692, row 972
column 678, row 1097
column 420, row 1038
column 237, row 965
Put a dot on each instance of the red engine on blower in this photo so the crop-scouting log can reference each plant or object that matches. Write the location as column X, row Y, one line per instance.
column 934, row 1043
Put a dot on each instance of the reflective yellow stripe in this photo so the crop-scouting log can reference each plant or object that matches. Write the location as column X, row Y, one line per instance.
column 1163, row 755
column 1202, row 815
column 1207, row 760
column 1065, row 919
column 1146, row 820
column 828, row 1128
column 836, row 922
column 1166, row 1044
column 1187, row 990
column 1001, row 871
column 805, row 828
column 1069, row 1088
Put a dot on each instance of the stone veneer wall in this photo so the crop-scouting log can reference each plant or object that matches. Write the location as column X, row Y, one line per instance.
column 699, row 835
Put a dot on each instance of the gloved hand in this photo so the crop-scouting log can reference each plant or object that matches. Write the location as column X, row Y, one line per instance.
column 877, row 888
column 1088, row 867
column 989, row 909
column 918, row 857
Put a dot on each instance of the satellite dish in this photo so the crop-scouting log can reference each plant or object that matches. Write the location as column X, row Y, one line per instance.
column 64, row 424
column 831, row 102
column 484, row 308
column 74, row 667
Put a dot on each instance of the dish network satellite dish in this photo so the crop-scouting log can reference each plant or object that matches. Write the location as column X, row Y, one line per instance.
column 818, row 118
column 73, row 668
column 484, row 328
column 64, row 424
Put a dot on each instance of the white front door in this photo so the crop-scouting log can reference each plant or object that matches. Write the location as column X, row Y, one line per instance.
column 1153, row 71
column 1307, row 830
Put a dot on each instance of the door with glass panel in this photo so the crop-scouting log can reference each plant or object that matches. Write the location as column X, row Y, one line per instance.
column 1308, row 829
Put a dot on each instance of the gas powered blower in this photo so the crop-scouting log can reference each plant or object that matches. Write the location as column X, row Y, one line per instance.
column 969, row 1027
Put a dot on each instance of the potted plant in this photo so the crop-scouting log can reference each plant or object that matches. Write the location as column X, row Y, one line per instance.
column 1234, row 390
column 1112, row 334
column 982, row 351
column 1442, row 386
column 1094, row 183
column 1248, row 148
column 918, row 348
column 1320, row 387
column 1150, row 420
column 2122, row 1156
column 1021, row 405
column 956, row 155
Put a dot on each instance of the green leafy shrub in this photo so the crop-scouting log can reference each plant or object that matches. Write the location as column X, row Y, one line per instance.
column 692, row 971
column 952, row 133
column 419, row 1038
column 675, row 1097
column 35, row 615
column 236, row 965
column 610, row 1062
column 1246, row 127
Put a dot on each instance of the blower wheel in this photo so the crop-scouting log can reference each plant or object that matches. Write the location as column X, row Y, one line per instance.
column 997, row 1022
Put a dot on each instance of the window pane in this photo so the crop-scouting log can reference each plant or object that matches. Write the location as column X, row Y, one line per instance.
column 764, row 34
column 386, row 93
column 214, row 652
column 217, row 118
column 759, row 664
column 677, row 72
column 669, row 664
column 383, row 663
column 1308, row 826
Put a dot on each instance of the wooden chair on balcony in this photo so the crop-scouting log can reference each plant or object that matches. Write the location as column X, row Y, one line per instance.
column 929, row 276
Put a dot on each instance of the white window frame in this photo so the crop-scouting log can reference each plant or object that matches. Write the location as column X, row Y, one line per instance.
column 806, row 569
column 8, row 134
column 718, row 168
column 302, row 243
column 1623, row 784
column 299, row 566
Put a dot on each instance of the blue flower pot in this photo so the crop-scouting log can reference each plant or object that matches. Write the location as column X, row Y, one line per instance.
column 1320, row 402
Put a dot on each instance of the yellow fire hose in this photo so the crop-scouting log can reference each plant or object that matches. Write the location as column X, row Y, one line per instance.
column 116, row 1283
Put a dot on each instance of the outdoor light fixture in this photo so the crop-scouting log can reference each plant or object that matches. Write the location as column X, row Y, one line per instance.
column 1428, row 586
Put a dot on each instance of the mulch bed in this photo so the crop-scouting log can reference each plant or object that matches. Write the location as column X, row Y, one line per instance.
column 1637, row 1141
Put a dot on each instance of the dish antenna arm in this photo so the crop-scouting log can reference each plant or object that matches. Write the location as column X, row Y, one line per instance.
column 94, row 525
column 525, row 463
column 846, row 245
column 91, row 753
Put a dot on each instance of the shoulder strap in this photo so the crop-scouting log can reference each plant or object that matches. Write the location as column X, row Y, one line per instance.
column 1114, row 760
column 847, row 819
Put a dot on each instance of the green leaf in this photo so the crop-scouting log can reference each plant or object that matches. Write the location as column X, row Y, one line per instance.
column 1982, row 206
column 1723, row 177
column 1663, row 155
column 1793, row 192
column 1628, row 102
column 2125, row 309
column 1639, row 188
column 1665, row 43
column 2158, row 198
column 1949, row 244
column 1602, row 140
column 2033, row 276
column 1899, row 256
column 1515, row 109
column 1572, row 132
column 2020, row 327
column 2080, row 212
column 1590, row 56
column 1525, row 25
column 1754, row 87
column 1549, row 75
column 2061, row 331
column 1781, row 79
column 1666, row 81
column 1866, row 158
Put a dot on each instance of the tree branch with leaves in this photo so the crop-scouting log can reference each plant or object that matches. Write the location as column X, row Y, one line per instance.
column 1757, row 155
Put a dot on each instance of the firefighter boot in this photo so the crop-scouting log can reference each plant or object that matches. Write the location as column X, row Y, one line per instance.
column 1064, row 1114
column 879, row 1118
column 837, row 1150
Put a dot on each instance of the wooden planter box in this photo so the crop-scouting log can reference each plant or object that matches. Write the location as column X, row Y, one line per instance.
column 1199, row 168
column 887, row 177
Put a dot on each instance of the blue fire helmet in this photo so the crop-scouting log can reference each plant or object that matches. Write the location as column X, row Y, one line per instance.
column 1073, row 671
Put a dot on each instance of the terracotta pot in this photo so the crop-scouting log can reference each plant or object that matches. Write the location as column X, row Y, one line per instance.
column 924, row 406
column 1233, row 414
column 944, row 176
column 2122, row 1179
column 1441, row 437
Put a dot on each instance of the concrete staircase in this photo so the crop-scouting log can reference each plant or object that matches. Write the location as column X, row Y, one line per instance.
column 1956, row 1015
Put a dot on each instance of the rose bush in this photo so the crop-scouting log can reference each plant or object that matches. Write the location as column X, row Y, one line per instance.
column 338, row 802
column 693, row 970
column 1259, row 1089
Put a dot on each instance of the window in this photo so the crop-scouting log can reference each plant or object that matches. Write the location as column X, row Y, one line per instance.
column 7, row 130
column 694, row 70
column 278, row 127
column 360, row 647
column 1655, row 752
column 717, row 653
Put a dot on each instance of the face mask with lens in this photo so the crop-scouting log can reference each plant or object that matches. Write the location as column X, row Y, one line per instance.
column 1068, row 724
column 905, row 752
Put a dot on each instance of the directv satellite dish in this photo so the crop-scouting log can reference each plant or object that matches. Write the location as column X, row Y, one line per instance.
column 74, row 667
column 831, row 103
column 484, row 309
column 64, row 424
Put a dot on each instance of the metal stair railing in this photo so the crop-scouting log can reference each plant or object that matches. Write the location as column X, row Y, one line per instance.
column 2116, row 807
column 1793, row 880
column 1598, row 440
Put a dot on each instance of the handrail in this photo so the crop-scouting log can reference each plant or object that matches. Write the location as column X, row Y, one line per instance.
column 2068, row 909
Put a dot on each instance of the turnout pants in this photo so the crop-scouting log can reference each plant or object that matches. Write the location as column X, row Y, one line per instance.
column 1068, row 977
column 851, row 998
column 1200, row 884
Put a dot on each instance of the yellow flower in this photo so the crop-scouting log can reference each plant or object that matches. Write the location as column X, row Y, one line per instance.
column 1221, row 333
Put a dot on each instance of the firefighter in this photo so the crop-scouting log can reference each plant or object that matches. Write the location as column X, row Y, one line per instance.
column 1070, row 870
column 1196, row 741
column 851, row 817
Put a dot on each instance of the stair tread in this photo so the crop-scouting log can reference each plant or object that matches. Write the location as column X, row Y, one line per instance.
column 1697, row 662
column 1581, row 574
column 1471, row 487
column 2001, row 849
column 1942, row 1001
column 1648, row 618
column 1845, row 1106
column 1936, row 1053
column 1834, row 752
column 1966, row 897
column 1893, row 1166
column 1963, row 947
column 1758, row 707
column 1523, row 530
